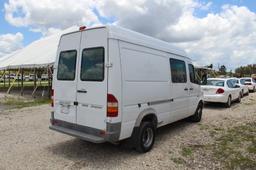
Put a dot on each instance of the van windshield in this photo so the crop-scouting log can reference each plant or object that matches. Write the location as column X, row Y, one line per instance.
column 215, row 83
column 67, row 65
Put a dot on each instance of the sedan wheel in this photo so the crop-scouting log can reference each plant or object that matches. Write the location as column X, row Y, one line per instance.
column 239, row 98
column 228, row 104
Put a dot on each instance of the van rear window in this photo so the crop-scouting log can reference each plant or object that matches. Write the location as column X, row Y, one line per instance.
column 67, row 65
column 92, row 67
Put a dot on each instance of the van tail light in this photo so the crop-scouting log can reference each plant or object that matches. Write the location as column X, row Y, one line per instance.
column 220, row 91
column 52, row 100
column 112, row 106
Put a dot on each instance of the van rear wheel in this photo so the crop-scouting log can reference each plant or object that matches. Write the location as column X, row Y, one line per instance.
column 145, row 137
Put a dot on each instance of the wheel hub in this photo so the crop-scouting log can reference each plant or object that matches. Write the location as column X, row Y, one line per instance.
column 147, row 137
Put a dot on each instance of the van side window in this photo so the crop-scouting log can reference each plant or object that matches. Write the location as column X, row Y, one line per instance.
column 92, row 67
column 178, row 71
column 192, row 74
column 67, row 65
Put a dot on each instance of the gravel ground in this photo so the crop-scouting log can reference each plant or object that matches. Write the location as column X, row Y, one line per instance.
column 27, row 143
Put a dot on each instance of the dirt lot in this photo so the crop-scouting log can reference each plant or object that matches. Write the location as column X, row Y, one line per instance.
column 226, row 138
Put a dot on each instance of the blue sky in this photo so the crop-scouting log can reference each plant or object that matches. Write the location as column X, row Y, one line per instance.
column 5, row 28
column 207, row 38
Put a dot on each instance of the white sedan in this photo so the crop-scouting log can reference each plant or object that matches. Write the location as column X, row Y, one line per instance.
column 249, row 82
column 244, row 89
column 221, row 90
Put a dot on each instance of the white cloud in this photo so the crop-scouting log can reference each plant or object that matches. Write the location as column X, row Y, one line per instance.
column 150, row 17
column 49, row 14
column 10, row 43
column 227, row 37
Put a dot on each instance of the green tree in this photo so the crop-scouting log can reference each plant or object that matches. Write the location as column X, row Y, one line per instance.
column 223, row 70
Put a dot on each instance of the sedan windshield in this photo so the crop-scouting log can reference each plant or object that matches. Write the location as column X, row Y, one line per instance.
column 215, row 83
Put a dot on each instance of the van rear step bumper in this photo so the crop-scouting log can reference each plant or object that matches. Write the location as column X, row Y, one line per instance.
column 81, row 135
column 111, row 134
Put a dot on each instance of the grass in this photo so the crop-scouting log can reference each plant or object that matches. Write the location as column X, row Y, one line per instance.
column 234, row 148
column 178, row 160
column 186, row 151
column 14, row 103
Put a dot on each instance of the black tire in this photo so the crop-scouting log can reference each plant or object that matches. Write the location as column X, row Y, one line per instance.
column 197, row 116
column 239, row 98
column 229, row 102
column 145, row 137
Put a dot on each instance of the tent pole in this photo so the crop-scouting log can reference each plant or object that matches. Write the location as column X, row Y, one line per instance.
column 4, row 78
column 35, row 85
column 49, row 84
column 18, row 81
column 8, row 91
column 34, row 78
column 9, row 78
column 22, row 79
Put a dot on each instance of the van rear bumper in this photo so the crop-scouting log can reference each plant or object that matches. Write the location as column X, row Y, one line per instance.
column 81, row 135
column 87, row 133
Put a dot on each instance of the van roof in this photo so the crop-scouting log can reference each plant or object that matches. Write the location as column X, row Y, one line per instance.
column 116, row 32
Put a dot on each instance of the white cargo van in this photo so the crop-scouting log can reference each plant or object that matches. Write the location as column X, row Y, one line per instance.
column 112, row 84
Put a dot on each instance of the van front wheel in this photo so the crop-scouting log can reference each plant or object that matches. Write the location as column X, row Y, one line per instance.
column 197, row 116
column 145, row 137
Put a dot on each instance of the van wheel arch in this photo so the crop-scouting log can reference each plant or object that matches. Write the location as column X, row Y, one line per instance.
column 150, row 118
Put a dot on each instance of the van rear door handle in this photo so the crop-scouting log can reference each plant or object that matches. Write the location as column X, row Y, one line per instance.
column 186, row 89
column 191, row 88
column 81, row 91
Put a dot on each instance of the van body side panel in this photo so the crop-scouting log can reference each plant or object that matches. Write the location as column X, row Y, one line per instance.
column 65, row 90
column 92, row 79
column 146, row 84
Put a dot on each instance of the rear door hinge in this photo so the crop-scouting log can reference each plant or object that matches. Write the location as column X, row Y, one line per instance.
column 108, row 65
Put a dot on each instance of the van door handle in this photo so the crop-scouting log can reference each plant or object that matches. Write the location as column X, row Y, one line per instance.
column 81, row 91
column 186, row 89
column 191, row 88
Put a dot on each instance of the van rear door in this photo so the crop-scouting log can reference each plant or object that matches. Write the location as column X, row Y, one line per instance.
column 92, row 79
column 66, row 78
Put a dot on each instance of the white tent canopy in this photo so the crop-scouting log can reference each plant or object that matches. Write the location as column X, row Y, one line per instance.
column 40, row 53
